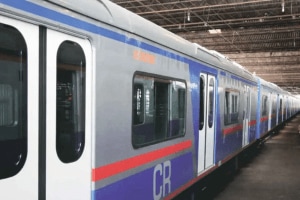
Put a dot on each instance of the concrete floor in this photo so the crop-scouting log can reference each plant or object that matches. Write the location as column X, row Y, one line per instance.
column 274, row 174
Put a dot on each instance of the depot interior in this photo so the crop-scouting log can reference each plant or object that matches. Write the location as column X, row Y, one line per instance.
column 261, row 35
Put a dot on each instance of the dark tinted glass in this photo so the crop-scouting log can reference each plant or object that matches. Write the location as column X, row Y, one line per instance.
column 13, row 101
column 158, row 107
column 70, row 99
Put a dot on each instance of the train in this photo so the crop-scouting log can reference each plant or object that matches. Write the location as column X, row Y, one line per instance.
column 99, row 103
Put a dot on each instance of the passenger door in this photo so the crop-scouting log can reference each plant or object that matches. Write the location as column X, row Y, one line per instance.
column 246, row 117
column 206, row 121
column 68, row 117
column 19, row 97
column 270, row 111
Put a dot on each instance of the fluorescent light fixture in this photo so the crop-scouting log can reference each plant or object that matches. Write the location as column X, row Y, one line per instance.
column 188, row 16
column 215, row 31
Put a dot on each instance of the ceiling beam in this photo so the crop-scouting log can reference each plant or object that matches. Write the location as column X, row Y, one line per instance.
column 243, row 3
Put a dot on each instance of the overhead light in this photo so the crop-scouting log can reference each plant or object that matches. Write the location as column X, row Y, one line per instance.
column 189, row 16
column 282, row 6
column 215, row 31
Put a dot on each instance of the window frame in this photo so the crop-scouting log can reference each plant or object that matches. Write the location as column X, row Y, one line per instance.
column 71, row 106
column 211, row 104
column 264, row 105
column 202, row 98
column 164, row 82
column 232, row 107
column 14, row 145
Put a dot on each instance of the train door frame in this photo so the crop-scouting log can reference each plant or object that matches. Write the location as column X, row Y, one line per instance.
column 24, row 184
column 286, row 108
column 277, row 108
column 71, row 184
column 206, row 143
column 247, row 114
column 270, row 110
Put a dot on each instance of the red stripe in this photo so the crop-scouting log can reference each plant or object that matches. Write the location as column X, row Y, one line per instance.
column 133, row 162
column 232, row 129
column 252, row 123
column 264, row 119
column 236, row 128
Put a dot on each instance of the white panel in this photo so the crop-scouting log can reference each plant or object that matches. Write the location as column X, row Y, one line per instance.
column 202, row 133
column 72, row 180
column 210, row 135
column 246, row 119
column 206, row 143
column 270, row 111
column 24, row 185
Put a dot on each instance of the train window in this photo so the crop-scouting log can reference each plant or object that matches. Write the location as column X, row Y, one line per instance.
column 211, row 103
column 138, row 104
column 201, row 106
column 273, row 106
column 70, row 102
column 264, row 105
column 13, row 101
column 280, row 107
column 158, row 107
column 231, row 108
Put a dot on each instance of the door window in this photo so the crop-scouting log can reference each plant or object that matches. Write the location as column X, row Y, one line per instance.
column 13, row 101
column 70, row 102
column 211, row 102
column 201, row 103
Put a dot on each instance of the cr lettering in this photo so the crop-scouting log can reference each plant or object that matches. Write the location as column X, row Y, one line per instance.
column 162, row 180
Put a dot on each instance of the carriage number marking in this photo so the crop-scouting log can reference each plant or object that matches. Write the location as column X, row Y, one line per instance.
column 144, row 56
column 161, row 180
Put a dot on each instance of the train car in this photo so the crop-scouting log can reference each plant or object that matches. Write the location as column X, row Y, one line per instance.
column 98, row 103
column 268, row 107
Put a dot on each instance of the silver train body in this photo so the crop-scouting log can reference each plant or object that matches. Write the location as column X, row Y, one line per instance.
column 98, row 103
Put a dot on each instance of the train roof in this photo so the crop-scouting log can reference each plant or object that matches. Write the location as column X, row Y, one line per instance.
column 273, row 87
column 114, row 15
column 270, row 85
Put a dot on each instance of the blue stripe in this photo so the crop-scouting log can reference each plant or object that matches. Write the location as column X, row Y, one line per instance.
column 65, row 19
column 223, row 73
column 243, row 80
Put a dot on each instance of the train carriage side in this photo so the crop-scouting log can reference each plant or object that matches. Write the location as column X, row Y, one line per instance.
column 119, row 118
column 289, row 102
column 204, row 90
column 141, row 116
column 282, row 107
column 173, row 76
column 150, row 148
column 122, row 113
column 267, row 107
column 144, row 137
column 294, row 105
column 289, row 105
column 237, row 100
